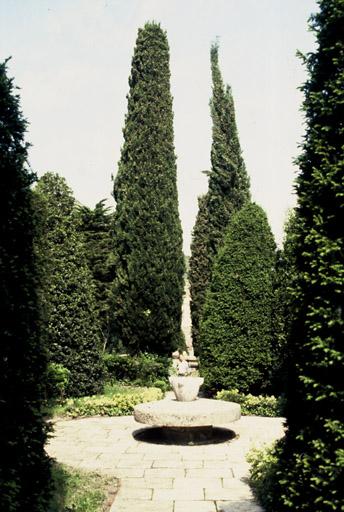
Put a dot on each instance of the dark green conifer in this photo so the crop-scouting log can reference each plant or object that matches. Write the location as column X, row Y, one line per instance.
column 68, row 291
column 24, row 467
column 236, row 330
column 228, row 191
column 97, row 228
column 310, row 476
column 148, row 238
column 285, row 276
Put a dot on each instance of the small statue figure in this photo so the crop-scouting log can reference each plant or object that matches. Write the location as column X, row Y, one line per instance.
column 183, row 368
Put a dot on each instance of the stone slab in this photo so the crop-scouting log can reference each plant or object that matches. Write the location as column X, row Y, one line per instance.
column 202, row 412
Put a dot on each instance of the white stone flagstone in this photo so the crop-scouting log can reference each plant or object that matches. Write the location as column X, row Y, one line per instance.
column 165, row 478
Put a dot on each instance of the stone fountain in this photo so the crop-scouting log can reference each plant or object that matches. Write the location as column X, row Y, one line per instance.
column 185, row 418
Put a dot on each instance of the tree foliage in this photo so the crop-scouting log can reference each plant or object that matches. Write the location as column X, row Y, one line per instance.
column 25, row 468
column 236, row 330
column 148, row 288
column 228, row 190
column 97, row 228
column 72, row 324
column 311, row 464
column 285, row 276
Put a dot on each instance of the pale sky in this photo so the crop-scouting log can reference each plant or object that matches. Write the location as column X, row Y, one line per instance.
column 72, row 58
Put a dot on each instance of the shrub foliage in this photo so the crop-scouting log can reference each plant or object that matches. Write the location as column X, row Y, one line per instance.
column 72, row 327
column 285, row 276
column 228, row 190
column 256, row 405
column 116, row 405
column 24, row 468
column 236, row 332
column 97, row 228
column 142, row 369
column 148, row 238
column 311, row 467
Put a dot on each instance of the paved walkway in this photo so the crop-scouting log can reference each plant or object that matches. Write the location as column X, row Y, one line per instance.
column 161, row 478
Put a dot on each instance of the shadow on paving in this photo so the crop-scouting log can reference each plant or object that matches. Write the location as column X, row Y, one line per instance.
column 184, row 436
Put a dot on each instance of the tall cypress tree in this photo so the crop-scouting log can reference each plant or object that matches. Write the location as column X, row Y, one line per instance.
column 68, row 292
column 228, row 191
column 148, row 289
column 310, row 476
column 236, row 330
column 24, row 468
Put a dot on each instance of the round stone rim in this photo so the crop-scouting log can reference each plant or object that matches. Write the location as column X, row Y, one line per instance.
column 202, row 412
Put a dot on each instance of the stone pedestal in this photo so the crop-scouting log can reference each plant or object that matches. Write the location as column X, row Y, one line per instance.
column 199, row 413
column 186, row 388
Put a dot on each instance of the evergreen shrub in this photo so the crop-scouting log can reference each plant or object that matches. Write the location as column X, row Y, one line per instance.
column 57, row 381
column 143, row 369
column 236, row 332
column 25, row 467
column 311, row 461
column 72, row 327
column 251, row 405
column 96, row 226
column 116, row 405
column 264, row 464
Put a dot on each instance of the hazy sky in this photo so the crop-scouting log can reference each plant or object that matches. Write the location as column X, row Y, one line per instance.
column 72, row 58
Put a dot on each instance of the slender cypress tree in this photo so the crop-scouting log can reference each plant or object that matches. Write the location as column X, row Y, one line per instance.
column 24, row 468
column 228, row 191
column 310, row 476
column 236, row 329
column 68, row 291
column 148, row 289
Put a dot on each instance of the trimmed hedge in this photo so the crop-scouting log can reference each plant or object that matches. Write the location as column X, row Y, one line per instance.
column 236, row 332
column 117, row 405
column 143, row 369
column 260, row 405
column 72, row 327
column 311, row 467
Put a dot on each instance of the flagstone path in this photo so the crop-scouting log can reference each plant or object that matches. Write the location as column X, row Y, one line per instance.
column 165, row 478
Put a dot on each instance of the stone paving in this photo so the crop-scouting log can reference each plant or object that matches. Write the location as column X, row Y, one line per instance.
column 165, row 478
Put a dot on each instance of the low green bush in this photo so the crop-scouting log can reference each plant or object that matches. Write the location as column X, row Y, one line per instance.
column 102, row 405
column 264, row 464
column 57, row 381
column 143, row 369
column 260, row 405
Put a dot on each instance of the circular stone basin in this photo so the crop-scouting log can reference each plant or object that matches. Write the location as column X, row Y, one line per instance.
column 200, row 413
column 186, row 388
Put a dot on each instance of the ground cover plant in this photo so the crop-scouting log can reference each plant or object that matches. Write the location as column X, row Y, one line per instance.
column 80, row 491
column 118, row 400
column 263, row 464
